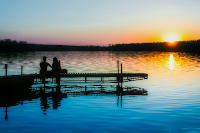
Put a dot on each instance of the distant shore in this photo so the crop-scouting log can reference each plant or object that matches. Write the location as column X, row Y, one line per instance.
column 8, row 45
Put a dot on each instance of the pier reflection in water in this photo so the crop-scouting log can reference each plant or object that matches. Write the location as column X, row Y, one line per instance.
column 49, row 95
column 9, row 99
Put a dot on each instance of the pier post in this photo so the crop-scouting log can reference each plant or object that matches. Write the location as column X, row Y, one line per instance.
column 121, row 68
column 6, row 68
column 101, row 88
column 120, row 77
column 6, row 117
column 43, row 80
column 21, row 70
column 85, row 79
column 102, row 79
column 58, row 89
column 85, row 88
column 121, row 73
column 58, row 79
column 118, row 66
column 119, row 89
column 120, row 80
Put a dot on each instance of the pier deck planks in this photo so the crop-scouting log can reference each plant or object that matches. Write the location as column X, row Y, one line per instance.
column 136, row 75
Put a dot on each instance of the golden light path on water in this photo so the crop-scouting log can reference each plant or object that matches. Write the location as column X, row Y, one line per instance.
column 164, row 68
column 171, row 62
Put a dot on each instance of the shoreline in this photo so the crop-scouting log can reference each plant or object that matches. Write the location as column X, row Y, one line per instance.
column 8, row 45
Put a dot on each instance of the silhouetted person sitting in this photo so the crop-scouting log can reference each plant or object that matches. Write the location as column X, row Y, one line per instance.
column 56, row 68
column 43, row 66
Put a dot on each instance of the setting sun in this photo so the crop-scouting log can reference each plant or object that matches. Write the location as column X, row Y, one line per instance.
column 172, row 38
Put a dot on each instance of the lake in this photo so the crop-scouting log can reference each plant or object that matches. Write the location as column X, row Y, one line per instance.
column 171, row 106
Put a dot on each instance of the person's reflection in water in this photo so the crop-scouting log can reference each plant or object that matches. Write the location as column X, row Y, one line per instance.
column 44, row 101
column 56, row 97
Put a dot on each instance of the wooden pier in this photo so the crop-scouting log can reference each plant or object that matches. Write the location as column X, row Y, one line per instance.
column 141, row 75
column 10, row 82
column 27, row 79
column 73, row 75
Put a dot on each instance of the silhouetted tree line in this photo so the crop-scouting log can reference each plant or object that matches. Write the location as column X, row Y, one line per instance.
column 8, row 45
column 181, row 46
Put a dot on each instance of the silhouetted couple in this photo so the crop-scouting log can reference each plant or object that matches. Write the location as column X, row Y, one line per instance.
column 56, row 68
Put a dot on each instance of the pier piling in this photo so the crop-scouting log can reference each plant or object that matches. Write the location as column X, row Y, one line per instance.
column 85, row 88
column 6, row 69
column 21, row 70
column 118, row 66
column 121, row 68
column 58, row 79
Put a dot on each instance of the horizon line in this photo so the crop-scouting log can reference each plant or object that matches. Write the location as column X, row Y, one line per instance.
column 106, row 45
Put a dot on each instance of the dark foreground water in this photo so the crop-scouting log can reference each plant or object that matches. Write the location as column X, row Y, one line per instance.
column 171, row 106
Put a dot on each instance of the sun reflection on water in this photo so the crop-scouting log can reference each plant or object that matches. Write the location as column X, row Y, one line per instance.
column 171, row 62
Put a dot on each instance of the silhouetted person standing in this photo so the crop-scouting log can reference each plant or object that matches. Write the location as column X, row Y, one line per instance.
column 43, row 66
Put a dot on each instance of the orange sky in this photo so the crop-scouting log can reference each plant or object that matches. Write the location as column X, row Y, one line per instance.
column 99, row 22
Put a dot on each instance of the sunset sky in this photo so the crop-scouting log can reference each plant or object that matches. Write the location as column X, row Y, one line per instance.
column 99, row 22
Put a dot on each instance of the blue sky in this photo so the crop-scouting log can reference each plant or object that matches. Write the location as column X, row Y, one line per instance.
column 98, row 22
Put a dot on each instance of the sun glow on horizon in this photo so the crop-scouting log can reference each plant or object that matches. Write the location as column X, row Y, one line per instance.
column 172, row 37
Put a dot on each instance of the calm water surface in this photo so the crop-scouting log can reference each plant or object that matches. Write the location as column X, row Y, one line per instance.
column 171, row 106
